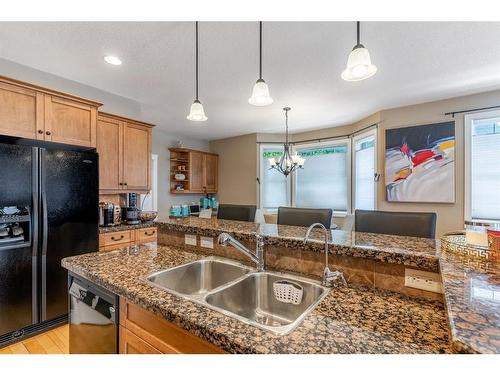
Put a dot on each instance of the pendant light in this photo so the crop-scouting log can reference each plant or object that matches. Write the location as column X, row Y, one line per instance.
column 359, row 65
column 260, row 93
column 288, row 163
column 197, row 112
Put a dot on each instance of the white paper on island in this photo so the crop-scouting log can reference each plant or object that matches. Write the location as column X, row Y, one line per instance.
column 206, row 213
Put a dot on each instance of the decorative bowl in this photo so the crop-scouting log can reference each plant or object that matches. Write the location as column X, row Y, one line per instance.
column 180, row 177
column 146, row 216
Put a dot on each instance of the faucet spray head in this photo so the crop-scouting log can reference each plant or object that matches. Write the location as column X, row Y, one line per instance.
column 223, row 239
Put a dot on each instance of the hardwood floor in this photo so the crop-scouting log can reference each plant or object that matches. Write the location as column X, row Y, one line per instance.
column 55, row 341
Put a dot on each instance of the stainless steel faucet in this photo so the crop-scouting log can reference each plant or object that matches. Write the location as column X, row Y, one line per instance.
column 224, row 239
column 328, row 276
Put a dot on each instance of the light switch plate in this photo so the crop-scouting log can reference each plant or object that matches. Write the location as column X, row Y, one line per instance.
column 190, row 239
column 423, row 280
column 207, row 242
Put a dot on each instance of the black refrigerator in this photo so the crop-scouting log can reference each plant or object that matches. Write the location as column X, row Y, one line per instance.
column 55, row 192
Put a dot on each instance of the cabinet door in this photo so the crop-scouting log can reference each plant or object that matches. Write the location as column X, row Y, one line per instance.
column 196, row 172
column 210, row 163
column 71, row 122
column 131, row 344
column 109, row 147
column 136, row 157
column 21, row 112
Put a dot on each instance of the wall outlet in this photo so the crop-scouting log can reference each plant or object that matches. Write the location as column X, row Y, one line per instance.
column 190, row 239
column 207, row 242
column 423, row 280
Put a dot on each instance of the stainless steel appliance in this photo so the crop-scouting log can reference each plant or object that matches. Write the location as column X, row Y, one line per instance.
column 106, row 214
column 93, row 318
column 54, row 190
column 131, row 215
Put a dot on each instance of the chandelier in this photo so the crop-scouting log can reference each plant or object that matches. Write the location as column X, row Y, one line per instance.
column 287, row 163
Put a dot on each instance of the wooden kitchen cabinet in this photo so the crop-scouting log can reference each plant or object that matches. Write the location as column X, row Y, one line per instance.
column 199, row 167
column 21, row 111
column 131, row 344
column 69, row 121
column 124, row 148
column 34, row 112
column 136, row 156
column 210, row 172
column 109, row 147
column 145, row 332
column 117, row 240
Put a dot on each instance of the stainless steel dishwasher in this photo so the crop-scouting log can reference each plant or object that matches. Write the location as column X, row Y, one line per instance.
column 93, row 318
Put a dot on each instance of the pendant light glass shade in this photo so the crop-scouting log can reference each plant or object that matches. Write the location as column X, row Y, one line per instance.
column 359, row 64
column 260, row 94
column 197, row 113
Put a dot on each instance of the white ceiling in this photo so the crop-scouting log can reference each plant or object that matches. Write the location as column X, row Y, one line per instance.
column 417, row 61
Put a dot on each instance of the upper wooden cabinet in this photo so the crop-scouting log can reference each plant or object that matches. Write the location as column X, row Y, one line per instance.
column 69, row 121
column 34, row 112
column 124, row 148
column 21, row 111
column 199, row 168
column 109, row 147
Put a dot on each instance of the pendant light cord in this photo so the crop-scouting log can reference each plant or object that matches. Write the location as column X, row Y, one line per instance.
column 260, row 50
column 357, row 32
column 196, row 60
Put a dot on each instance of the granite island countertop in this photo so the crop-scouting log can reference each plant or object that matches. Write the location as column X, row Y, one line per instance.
column 422, row 253
column 349, row 319
column 471, row 286
column 121, row 227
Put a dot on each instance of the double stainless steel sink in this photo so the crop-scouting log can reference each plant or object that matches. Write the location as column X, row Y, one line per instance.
column 242, row 293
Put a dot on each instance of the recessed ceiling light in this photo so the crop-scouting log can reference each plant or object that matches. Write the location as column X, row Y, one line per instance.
column 113, row 60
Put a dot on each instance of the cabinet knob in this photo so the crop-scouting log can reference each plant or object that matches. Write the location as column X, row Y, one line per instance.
column 40, row 131
column 48, row 133
column 117, row 239
column 121, row 184
column 125, row 184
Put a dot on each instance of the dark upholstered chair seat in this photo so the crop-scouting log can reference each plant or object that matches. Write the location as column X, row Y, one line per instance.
column 304, row 217
column 414, row 224
column 236, row 212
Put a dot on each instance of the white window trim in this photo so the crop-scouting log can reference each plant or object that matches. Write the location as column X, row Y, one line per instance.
column 357, row 137
column 468, row 120
column 348, row 169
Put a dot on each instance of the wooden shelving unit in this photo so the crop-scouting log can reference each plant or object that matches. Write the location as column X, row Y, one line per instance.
column 179, row 158
column 199, row 167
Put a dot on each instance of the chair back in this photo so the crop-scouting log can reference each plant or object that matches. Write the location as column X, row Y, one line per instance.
column 236, row 212
column 414, row 224
column 304, row 217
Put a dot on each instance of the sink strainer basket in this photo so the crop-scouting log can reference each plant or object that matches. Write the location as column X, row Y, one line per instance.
column 287, row 292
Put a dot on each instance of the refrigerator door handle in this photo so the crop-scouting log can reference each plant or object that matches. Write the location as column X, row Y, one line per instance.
column 44, row 224
column 35, row 226
column 44, row 234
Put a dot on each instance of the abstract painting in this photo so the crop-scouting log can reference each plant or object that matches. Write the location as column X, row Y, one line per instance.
column 420, row 163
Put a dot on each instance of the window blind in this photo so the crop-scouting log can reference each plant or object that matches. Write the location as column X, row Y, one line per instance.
column 323, row 181
column 485, row 170
column 364, row 173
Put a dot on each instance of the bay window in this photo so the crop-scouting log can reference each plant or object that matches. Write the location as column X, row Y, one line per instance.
column 482, row 169
column 326, row 180
column 364, row 169
column 274, row 189
column 323, row 183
